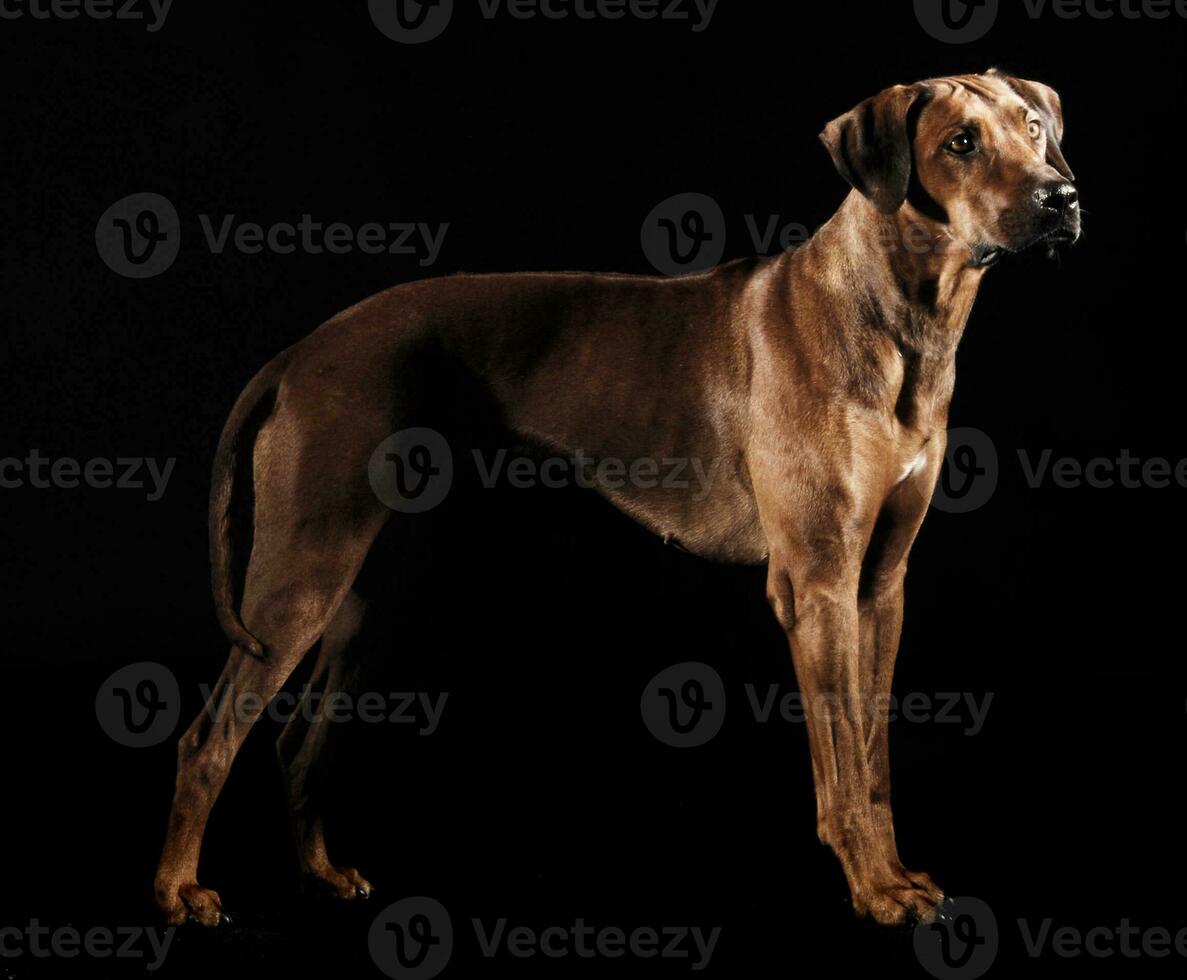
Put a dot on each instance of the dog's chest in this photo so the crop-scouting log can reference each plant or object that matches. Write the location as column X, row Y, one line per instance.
column 919, row 386
column 912, row 467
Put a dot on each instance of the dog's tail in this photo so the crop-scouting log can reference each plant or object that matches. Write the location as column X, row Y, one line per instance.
column 251, row 408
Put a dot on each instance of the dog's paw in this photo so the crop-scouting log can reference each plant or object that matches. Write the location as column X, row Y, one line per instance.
column 924, row 884
column 900, row 902
column 192, row 903
column 345, row 884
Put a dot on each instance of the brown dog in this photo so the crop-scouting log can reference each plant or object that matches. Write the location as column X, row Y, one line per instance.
column 819, row 380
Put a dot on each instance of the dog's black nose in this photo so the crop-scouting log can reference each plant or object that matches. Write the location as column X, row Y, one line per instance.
column 1059, row 197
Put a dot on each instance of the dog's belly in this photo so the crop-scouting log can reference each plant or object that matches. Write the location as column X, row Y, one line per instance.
column 637, row 380
column 675, row 478
column 704, row 506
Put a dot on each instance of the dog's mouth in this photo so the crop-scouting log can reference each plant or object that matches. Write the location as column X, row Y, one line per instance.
column 985, row 256
column 1061, row 236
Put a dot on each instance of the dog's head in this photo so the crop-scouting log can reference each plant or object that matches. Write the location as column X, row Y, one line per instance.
column 976, row 155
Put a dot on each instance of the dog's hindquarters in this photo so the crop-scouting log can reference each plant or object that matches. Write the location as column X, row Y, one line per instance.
column 308, row 426
column 548, row 351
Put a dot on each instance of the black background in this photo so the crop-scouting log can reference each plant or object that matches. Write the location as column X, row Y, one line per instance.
column 543, row 798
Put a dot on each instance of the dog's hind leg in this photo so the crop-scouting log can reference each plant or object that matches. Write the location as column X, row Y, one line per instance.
column 315, row 520
column 287, row 606
column 301, row 751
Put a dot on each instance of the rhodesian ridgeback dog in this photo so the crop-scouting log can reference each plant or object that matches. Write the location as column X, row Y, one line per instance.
column 819, row 379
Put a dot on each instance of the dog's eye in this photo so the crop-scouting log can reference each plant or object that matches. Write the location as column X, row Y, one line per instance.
column 961, row 144
column 1035, row 128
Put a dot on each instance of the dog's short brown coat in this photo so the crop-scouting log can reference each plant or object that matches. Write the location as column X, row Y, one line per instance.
column 818, row 381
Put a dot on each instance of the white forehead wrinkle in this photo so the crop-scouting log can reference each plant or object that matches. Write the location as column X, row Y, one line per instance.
column 953, row 89
column 979, row 89
column 1006, row 93
column 990, row 93
column 945, row 92
column 960, row 89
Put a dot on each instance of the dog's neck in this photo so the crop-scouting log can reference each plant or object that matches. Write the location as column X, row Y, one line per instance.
column 900, row 277
column 921, row 282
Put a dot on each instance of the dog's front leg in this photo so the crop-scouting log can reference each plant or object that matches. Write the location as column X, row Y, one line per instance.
column 881, row 616
column 880, row 608
column 814, row 594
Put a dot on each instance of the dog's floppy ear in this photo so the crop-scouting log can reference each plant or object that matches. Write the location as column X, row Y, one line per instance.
column 1045, row 101
column 871, row 145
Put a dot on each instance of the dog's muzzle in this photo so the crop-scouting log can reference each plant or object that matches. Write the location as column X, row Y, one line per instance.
column 1059, row 209
column 1050, row 217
